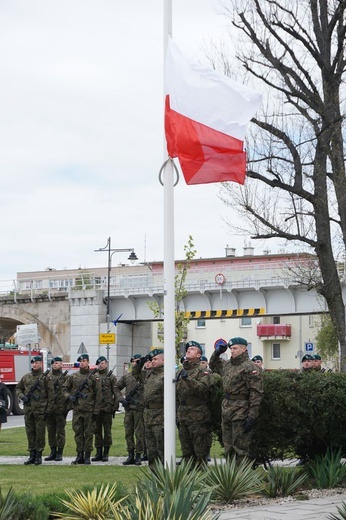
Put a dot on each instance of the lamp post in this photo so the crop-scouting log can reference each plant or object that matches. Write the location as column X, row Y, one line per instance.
column 132, row 257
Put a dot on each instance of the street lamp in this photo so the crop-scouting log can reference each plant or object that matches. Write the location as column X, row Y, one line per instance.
column 132, row 257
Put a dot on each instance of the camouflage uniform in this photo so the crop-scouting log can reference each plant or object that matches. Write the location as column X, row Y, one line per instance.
column 36, row 408
column 133, row 420
column 153, row 414
column 85, row 409
column 243, row 387
column 110, row 395
column 193, row 411
column 56, row 420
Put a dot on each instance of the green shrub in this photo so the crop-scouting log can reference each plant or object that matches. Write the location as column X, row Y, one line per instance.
column 301, row 414
column 328, row 470
column 281, row 481
column 28, row 507
column 7, row 504
column 232, row 480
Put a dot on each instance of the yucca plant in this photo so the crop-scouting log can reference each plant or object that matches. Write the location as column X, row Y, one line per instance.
column 169, row 493
column 90, row 505
column 328, row 470
column 7, row 504
column 171, row 477
column 149, row 503
column 280, row 481
column 232, row 480
column 341, row 511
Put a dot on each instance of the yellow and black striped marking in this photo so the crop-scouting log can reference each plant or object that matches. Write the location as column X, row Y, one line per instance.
column 227, row 313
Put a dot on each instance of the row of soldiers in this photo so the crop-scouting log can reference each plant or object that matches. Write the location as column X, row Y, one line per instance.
column 94, row 397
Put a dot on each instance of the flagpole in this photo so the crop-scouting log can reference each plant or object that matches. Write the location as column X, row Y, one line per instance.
column 169, row 288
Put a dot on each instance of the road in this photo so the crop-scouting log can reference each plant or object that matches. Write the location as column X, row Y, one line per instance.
column 14, row 421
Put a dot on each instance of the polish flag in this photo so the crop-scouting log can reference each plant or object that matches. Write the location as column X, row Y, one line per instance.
column 206, row 114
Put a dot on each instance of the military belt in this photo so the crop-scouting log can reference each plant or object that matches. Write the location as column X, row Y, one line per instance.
column 191, row 401
column 153, row 406
column 236, row 397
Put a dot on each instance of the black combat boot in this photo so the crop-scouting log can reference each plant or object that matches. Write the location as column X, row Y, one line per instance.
column 105, row 453
column 38, row 458
column 138, row 460
column 58, row 456
column 130, row 459
column 52, row 455
column 31, row 459
column 145, row 456
column 79, row 459
column 87, row 457
column 98, row 455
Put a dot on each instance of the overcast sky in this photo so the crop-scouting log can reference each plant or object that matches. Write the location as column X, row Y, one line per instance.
column 81, row 131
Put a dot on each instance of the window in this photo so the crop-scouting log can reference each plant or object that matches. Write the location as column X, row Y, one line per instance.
column 200, row 324
column 276, row 351
column 311, row 320
column 249, row 349
column 276, row 320
column 245, row 321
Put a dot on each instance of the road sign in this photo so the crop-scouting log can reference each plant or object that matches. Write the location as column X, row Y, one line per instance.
column 220, row 343
column 27, row 334
column 107, row 338
column 309, row 347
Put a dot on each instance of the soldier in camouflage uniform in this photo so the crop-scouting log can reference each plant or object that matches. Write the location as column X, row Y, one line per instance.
column 56, row 420
column 153, row 401
column 83, row 390
column 134, row 407
column 243, row 387
column 37, row 404
column 109, row 405
column 192, row 388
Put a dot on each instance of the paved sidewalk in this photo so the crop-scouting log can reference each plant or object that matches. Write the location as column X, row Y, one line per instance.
column 315, row 509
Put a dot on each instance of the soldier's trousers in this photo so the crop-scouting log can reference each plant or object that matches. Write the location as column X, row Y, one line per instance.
column 235, row 441
column 83, row 427
column 35, row 428
column 103, row 429
column 134, row 428
column 154, row 441
column 56, row 430
column 194, row 441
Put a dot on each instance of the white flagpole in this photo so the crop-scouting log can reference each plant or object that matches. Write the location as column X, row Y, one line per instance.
column 169, row 288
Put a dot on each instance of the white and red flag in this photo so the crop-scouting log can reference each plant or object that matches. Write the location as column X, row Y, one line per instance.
column 206, row 114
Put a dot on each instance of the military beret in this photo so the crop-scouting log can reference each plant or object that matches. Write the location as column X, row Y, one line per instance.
column 155, row 352
column 83, row 356
column 257, row 358
column 193, row 344
column 204, row 358
column 56, row 358
column 136, row 356
column 101, row 358
column 307, row 357
column 317, row 356
column 237, row 341
column 36, row 358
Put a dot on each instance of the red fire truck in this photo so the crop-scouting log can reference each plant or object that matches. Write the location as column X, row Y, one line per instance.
column 15, row 361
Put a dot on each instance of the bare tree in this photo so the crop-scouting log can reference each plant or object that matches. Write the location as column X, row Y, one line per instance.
column 296, row 186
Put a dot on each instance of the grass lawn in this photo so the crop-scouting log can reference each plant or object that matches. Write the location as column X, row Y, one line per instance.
column 45, row 478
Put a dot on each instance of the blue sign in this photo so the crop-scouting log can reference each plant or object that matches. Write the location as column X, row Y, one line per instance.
column 309, row 347
column 220, row 343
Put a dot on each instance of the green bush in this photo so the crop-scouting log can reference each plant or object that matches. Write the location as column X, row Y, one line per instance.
column 232, row 480
column 7, row 504
column 280, row 481
column 328, row 470
column 342, row 513
column 301, row 414
column 28, row 507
